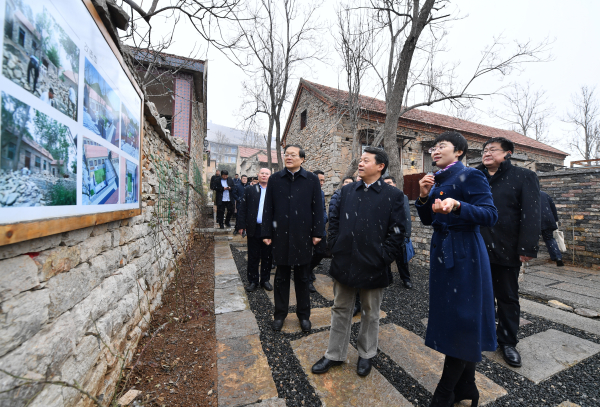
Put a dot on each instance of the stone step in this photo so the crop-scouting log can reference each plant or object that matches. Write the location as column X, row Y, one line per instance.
column 319, row 318
column 547, row 353
column 324, row 286
column 341, row 386
column 425, row 364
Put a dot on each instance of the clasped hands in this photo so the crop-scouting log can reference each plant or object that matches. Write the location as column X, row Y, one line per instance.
column 315, row 240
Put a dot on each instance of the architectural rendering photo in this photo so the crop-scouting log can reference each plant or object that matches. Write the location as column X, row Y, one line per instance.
column 100, row 105
column 100, row 180
column 129, row 182
column 39, row 55
column 130, row 132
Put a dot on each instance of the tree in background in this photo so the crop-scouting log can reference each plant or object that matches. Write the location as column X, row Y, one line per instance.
column 526, row 111
column 53, row 136
column 15, row 116
column 585, row 118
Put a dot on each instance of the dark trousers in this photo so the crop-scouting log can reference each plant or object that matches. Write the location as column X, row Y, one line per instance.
column 505, row 281
column 33, row 67
column 258, row 250
column 403, row 270
column 551, row 245
column 282, row 291
column 221, row 211
column 319, row 254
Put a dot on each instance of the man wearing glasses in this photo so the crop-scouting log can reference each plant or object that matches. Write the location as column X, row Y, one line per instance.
column 293, row 222
column 513, row 239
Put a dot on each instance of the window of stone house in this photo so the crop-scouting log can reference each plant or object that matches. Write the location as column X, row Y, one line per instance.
column 45, row 164
column 27, row 159
column 91, row 163
column 10, row 151
column 21, row 37
column 38, row 161
column 95, row 162
column 53, row 171
column 34, row 45
column 303, row 119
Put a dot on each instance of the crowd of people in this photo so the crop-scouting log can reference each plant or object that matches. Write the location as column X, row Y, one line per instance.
column 486, row 222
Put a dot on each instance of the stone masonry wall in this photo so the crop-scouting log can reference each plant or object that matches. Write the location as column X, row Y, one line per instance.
column 70, row 302
column 576, row 194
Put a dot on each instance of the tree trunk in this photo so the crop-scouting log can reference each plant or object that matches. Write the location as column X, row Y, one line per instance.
column 269, row 138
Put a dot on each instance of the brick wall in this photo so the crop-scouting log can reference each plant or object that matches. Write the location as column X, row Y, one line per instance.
column 70, row 300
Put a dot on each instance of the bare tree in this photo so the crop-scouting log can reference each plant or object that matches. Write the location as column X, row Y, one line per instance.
column 276, row 37
column 354, row 44
column 526, row 111
column 221, row 138
column 585, row 117
column 412, row 34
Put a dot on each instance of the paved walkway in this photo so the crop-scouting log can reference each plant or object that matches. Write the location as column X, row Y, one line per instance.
column 245, row 376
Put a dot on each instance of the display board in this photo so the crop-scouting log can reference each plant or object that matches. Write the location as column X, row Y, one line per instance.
column 71, row 123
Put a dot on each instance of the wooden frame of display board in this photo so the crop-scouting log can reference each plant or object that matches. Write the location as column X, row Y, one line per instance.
column 26, row 230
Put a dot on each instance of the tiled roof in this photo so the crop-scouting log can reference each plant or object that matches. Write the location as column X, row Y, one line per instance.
column 92, row 151
column 175, row 61
column 26, row 23
column 435, row 119
column 38, row 148
column 246, row 152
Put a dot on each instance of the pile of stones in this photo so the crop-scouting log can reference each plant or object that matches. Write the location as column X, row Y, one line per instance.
column 17, row 189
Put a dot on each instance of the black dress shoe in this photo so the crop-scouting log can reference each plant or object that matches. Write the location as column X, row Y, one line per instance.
column 324, row 364
column 363, row 367
column 407, row 284
column 560, row 263
column 267, row 286
column 305, row 325
column 277, row 324
column 221, row 227
column 251, row 287
column 228, row 225
column 511, row 355
column 311, row 288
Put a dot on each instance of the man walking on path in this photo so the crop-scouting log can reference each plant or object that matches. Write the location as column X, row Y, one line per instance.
column 293, row 223
column 514, row 238
column 366, row 233
column 403, row 262
column 549, row 225
column 224, row 199
column 249, row 218
column 320, row 249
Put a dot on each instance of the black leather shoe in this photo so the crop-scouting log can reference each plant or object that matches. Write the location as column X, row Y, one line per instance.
column 560, row 263
column 277, row 324
column 228, row 225
column 511, row 355
column 221, row 227
column 356, row 310
column 305, row 325
column 324, row 364
column 251, row 287
column 407, row 284
column 363, row 367
column 267, row 286
column 311, row 288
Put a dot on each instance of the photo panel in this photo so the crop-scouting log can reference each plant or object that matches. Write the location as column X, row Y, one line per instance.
column 39, row 56
column 99, row 174
column 101, row 106
column 38, row 160
column 130, row 131
column 129, row 182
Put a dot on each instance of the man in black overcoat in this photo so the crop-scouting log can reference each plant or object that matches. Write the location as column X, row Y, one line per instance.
column 514, row 239
column 549, row 225
column 365, row 234
column 249, row 218
column 225, row 197
column 293, row 223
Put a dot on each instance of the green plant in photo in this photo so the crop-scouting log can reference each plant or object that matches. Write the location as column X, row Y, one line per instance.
column 100, row 175
column 59, row 194
column 129, row 183
column 53, row 56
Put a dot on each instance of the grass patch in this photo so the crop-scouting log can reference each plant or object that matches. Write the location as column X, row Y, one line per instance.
column 60, row 194
column 129, row 183
column 100, row 175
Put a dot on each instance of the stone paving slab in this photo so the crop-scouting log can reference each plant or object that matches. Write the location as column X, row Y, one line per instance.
column 271, row 294
column 230, row 299
column 547, row 353
column 227, row 281
column 561, row 317
column 274, row 402
column 536, row 279
column 567, row 271
column 425, row 364
column 225, row 266
column 324, row 286
column 584, row 281
column 236, row 324
column 244, row 373
column 222, row 250
column 579, row 289
column 341, row 386
column 319, row 318
column 551, row 293
column 522, row 322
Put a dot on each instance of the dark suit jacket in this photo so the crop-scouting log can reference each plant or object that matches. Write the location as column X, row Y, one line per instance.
column 366, row 234
column 219, row 190
column 549, row 214
column 516, row 193
column 293, row 215
column 248, row 210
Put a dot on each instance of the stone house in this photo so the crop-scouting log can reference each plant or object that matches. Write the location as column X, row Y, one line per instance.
column 318, row 123
column 250, row 160
column 32, row 156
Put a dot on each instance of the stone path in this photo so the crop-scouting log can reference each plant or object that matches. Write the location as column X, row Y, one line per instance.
column 577, row 287
column 245, row 376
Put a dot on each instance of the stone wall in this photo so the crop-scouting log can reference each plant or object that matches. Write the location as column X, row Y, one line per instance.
column 576, row 194
column 71, row 303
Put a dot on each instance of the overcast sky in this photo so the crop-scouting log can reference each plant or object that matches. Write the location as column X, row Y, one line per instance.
column 576, row 58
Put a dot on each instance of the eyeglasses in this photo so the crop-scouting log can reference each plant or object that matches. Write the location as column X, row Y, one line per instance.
column 290, row 155
column 491, row 151
column 436, row 148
